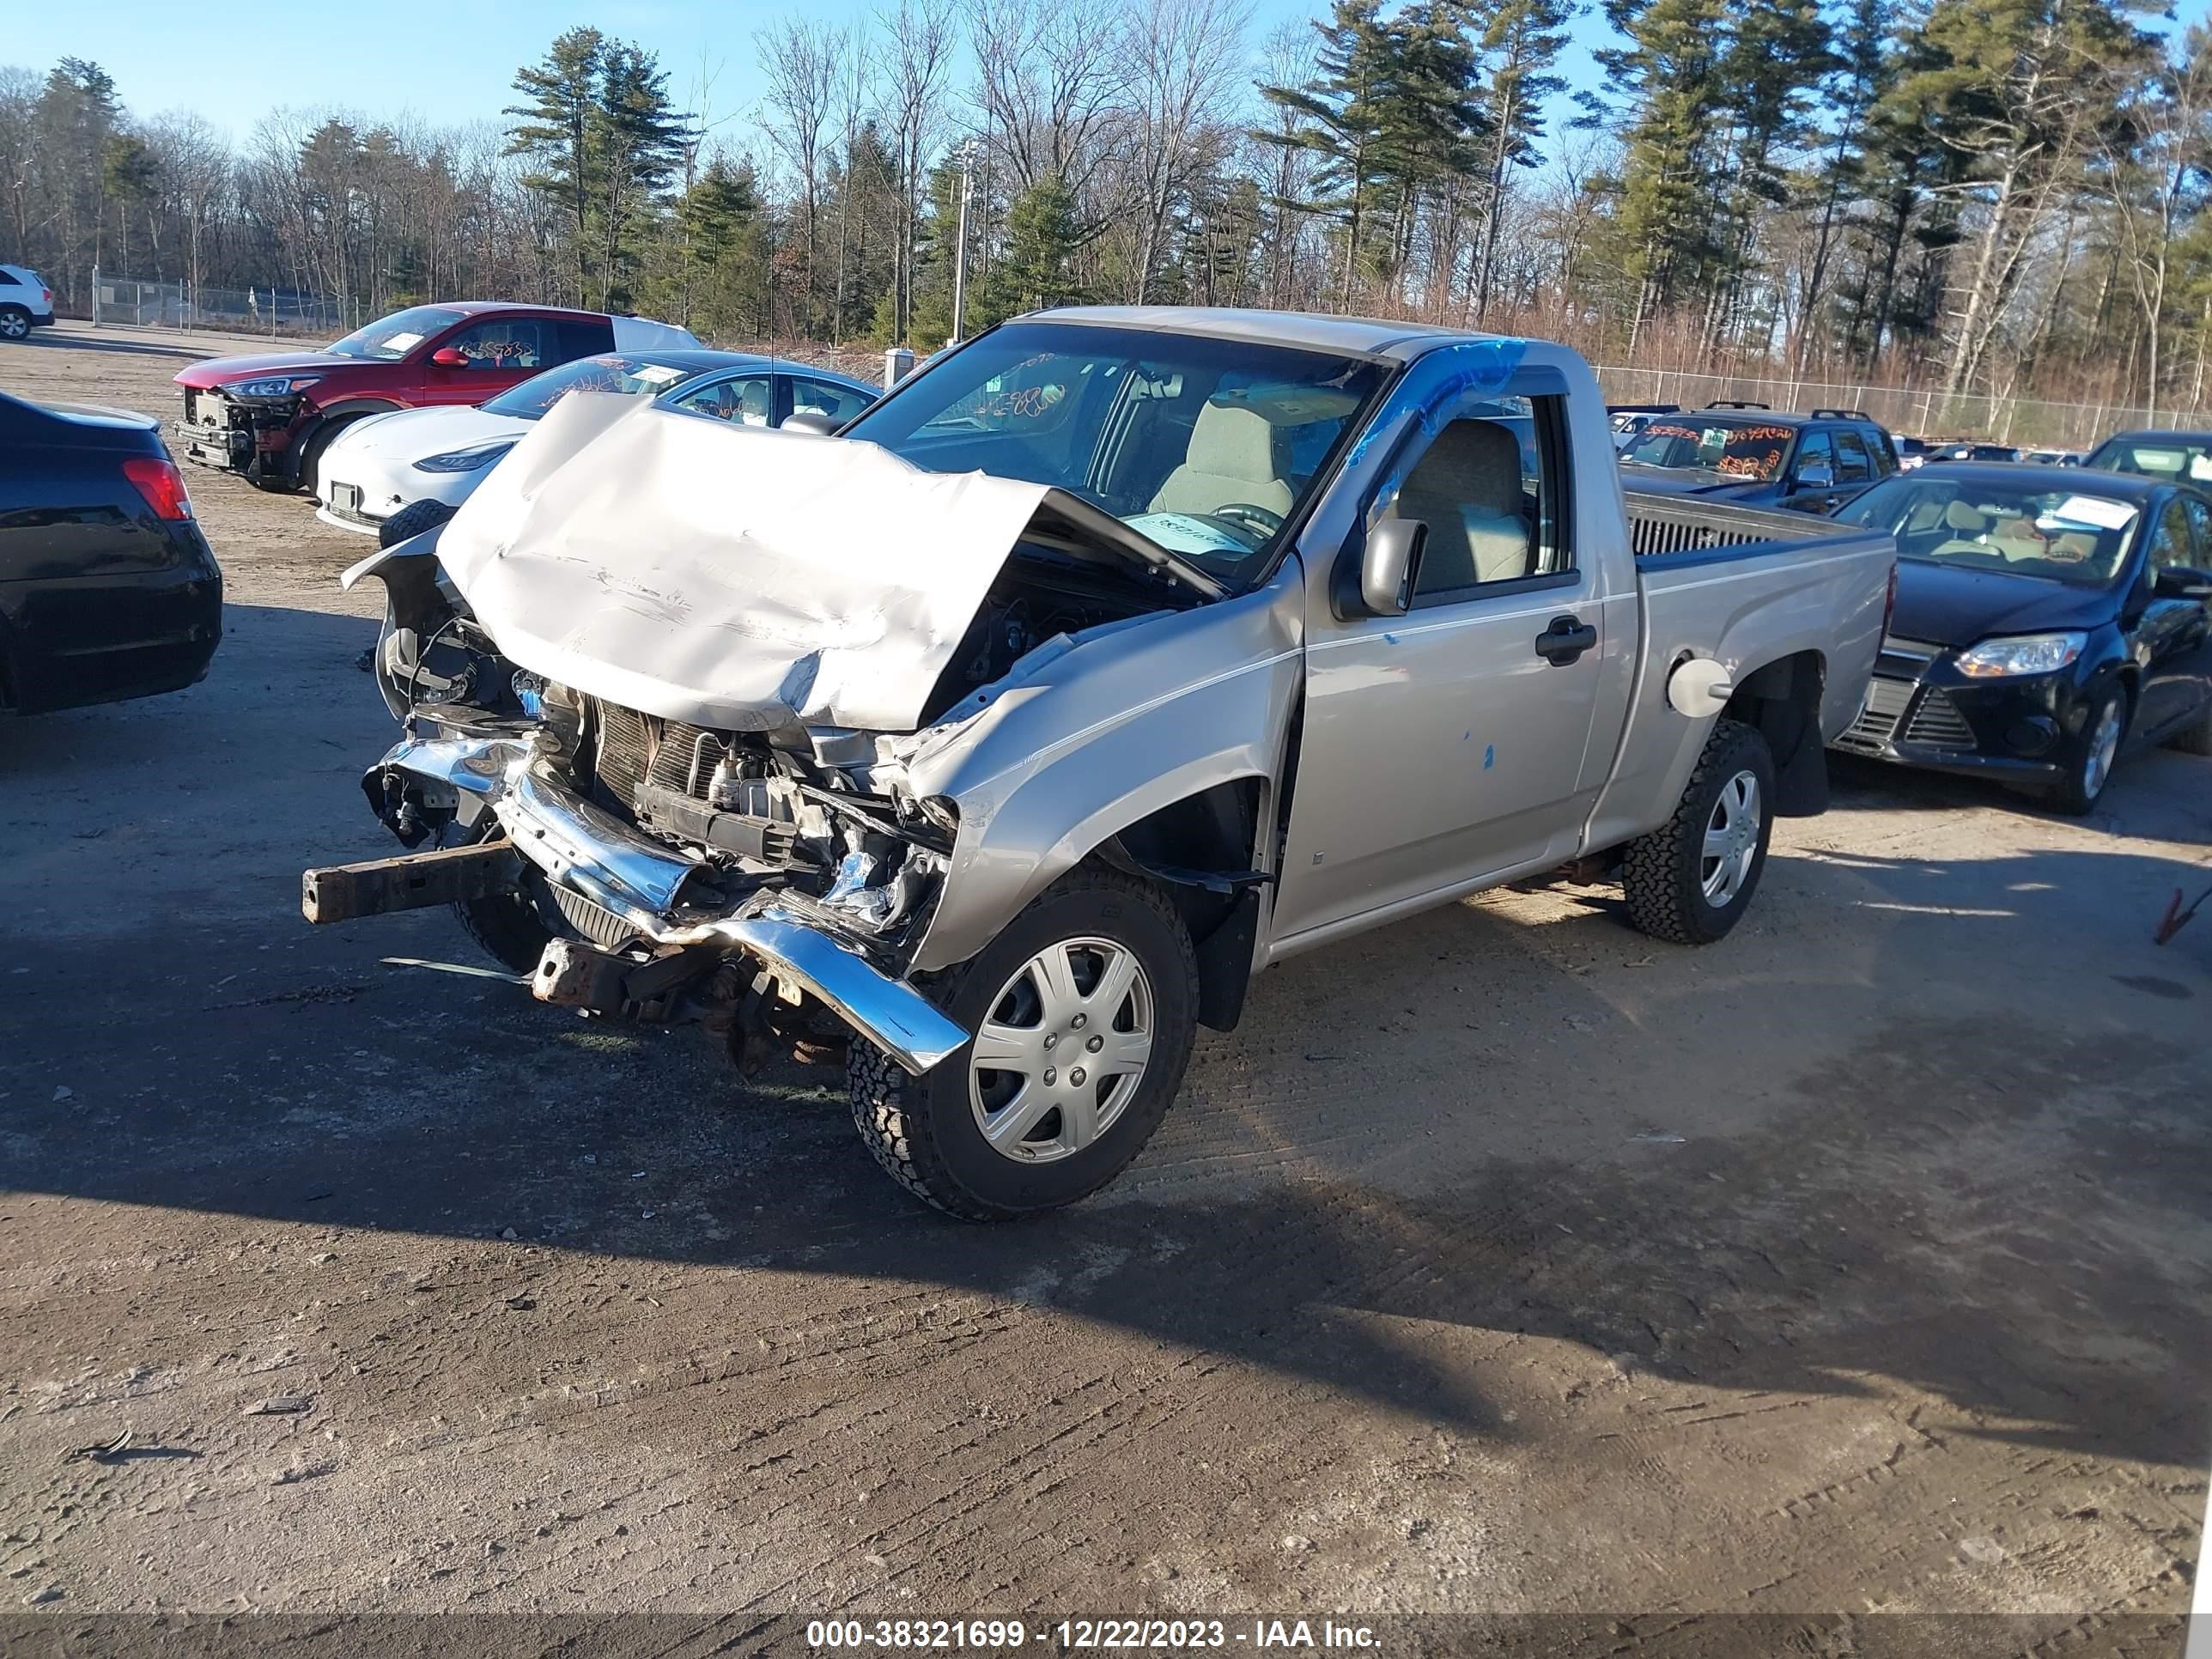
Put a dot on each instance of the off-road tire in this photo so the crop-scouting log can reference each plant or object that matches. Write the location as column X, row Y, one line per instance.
column 2194, row 738
column 15, row 322
column 923, row 1130
column 513, row 928
column 412, row 520
column 2070, row 795
column 508, row 929
column 1661, row 872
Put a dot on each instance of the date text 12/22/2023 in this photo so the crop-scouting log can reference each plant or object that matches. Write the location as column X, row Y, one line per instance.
column 1076, row 1635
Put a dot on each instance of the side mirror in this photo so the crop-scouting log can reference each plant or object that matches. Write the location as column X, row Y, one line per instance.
column 812, row 422
column 2178, row 582
column 1390, row 569
column 450, row 357
column 1819, row 476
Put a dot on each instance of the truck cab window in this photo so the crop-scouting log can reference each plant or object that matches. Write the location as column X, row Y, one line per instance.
column 1853, row 464
column 1482, row 486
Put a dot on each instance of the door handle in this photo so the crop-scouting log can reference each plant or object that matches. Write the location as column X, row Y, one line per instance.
column 1566, row 639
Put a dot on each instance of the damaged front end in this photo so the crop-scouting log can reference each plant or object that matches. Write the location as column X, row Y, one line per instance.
column 731, row 776
column 224, row 428
column 684, row 874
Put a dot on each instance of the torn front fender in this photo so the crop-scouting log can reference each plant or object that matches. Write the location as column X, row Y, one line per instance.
column 1046, row 769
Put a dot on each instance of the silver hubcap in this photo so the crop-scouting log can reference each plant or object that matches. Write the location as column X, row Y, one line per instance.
column 14, row 327
column 2104, row 746
column 1063, row 1051
column 1731, row 839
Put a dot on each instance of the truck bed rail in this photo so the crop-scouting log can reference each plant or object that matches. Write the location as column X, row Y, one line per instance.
column 1663, row 526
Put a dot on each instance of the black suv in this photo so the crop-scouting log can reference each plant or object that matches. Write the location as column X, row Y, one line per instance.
column 1747, row 455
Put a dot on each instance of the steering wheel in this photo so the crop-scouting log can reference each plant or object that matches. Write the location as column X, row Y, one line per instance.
column 1253, row 517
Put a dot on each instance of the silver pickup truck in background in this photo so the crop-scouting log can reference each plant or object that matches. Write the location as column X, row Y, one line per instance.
column 1115, row 657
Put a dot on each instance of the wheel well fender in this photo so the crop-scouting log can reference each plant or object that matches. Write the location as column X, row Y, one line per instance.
column 1781, row 701
column 1202, row 851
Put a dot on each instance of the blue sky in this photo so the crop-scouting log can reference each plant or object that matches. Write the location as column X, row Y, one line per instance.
column 452, row 61
column 448, row 62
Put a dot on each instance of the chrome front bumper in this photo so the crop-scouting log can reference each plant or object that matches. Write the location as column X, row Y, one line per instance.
column 590, row 852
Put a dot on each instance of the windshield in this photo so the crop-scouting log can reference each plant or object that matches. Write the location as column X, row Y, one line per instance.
column 389, row 338
column 633, row 374
column 2156, row 455
column 2059, row 535
column 1752, row 450
column 1207, row 446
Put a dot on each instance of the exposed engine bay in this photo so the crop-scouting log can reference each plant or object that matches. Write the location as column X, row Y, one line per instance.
column 819, row 818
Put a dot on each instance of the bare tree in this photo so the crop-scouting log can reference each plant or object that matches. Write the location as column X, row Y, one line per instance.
column 195, row 159
column 854, row 93
column 921, row 66
column 802, row 64
column 2155, row 181
column 1182, row 57
column 1050, row 82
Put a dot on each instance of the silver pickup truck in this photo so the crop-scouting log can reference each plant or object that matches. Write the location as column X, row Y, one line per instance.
column 1115, row 657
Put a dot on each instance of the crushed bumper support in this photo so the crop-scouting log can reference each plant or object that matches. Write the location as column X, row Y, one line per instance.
column 578, row 846
column 345, row 892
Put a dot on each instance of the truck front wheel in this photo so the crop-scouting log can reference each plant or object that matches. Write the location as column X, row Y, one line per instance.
column 1085, row 1010
column 1690, row 879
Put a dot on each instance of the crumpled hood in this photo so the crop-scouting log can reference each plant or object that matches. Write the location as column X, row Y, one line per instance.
column 729, row 576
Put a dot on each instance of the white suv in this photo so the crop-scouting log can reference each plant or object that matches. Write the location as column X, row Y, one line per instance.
column 25, row 302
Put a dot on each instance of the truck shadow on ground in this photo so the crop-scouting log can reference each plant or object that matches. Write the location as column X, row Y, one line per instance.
column 2011, row 1216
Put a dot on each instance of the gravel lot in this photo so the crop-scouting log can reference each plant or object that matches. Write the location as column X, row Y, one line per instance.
column 1504, row 1262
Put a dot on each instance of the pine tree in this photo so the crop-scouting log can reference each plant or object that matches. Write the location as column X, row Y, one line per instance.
column 1865, row 66
column 640, row 137
column 1523, row 40
column 1035, row 268
column 557, row 130
column 1777, row 54
column 1429, row 126
column 1668, row 72
column 1340, row 113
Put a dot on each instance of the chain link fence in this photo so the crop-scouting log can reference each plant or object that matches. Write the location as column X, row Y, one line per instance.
column 2028, row 422
column 136, row 304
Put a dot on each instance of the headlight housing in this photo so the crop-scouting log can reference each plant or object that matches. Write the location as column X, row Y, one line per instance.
column 464, row 460
column 2020, row 654
column 274, row 385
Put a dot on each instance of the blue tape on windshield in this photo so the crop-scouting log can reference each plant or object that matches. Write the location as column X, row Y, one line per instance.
column 1443, row 380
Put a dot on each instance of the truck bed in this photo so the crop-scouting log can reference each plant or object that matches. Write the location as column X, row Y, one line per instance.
column 1745, row 586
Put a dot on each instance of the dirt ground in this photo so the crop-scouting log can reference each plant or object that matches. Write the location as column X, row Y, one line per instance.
column 1504, row 1262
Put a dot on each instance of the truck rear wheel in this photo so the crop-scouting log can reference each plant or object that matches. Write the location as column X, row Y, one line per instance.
column 1691, row 880
column 1085, row 1012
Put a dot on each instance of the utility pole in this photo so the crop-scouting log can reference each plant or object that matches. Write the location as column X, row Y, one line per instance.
column 967, row 154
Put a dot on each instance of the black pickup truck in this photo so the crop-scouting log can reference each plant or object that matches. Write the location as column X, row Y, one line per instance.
column 108, row 589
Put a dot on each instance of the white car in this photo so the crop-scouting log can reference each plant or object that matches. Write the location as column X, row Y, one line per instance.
column 387, row 463
column 25, row 302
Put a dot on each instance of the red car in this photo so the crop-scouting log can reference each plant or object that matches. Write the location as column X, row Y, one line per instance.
column 271, row 416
